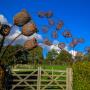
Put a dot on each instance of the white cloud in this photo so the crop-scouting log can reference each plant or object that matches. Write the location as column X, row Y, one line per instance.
column 73, row 52
column 21, row 39
column 55, row 42
column 3, row 20
column 55, row 47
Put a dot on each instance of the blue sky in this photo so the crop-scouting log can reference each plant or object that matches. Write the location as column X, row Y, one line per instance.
column 74, row 13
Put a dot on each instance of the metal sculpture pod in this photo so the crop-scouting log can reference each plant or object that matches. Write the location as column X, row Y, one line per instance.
column 80, row 40
column 74, row 43
column 4, row 29
column 21, row 18
column 30, row 44
column 51, row 22
column 59, row 25
column 49, row 14
column 45, row 29
column 47, row 42
column 41, row 14
column 54, row 34
column 29, row 29
column 61, row 45
column 67, row 34
column 87, row 49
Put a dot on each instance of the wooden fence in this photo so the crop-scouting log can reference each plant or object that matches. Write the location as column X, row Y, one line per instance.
column 42, row 79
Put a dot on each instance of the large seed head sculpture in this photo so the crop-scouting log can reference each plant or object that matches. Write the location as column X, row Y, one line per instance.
column 30, row 44
column 61, row 45
column 51, row 22
column 49, row 14
column 4, row 29
column 29, row 29
column 47, row 42
column 21, row 18
column 59, row 25
column 67, row 34
column 54, row 34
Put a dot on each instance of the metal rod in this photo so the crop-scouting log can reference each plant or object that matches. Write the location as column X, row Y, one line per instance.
column 10, row 44
column 1, row 44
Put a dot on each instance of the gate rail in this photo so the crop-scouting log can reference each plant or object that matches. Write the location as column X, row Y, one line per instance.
column 42, row 79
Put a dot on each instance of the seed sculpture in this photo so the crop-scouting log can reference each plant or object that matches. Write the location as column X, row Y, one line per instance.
column 4, row 31
column 74, row 43
column 29, row 29
column 54, row 34
column 45, row 29
column 81, row 40
column 59, row 25
column 61, row 45
column 21, row 18
column 47, row 42
column 51, row 22
column 30, row 44
column 87, row 49
column 49, row 14
column 67, row 34
column 41, row 14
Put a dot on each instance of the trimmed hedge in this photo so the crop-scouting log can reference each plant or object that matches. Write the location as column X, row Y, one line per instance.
column 81, row 76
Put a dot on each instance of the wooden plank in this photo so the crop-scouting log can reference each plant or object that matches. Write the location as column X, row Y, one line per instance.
column 69, row 79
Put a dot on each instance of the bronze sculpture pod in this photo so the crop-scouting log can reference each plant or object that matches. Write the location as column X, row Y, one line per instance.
column 51, row 22
column 4, row 29
column 29, row 29
column 59, row 25
column 67, row 34
column 21, row 18
column 61, row 45
column 47, row 42
column 54, row 34
column 30, row 44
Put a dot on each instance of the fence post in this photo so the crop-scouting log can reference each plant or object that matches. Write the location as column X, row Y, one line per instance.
column 39, row 78
column 69, row 79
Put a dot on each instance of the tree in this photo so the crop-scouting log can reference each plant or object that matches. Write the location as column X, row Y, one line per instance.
column 64, row 57
column 51, row 56
column 35, row 55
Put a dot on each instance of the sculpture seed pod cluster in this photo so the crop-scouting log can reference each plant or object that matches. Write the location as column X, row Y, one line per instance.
column 30, row 44
column 29, row 29
column 74, row 43
column 54, row 34
column 66, row 34
column 4, row 29
column 21, row 18
column 47, row 42
column 59, row 25
column 87, row 49
column 45, row 29
column 61, row 45
column 49, row 14
column 43, row 14
column 51, row 22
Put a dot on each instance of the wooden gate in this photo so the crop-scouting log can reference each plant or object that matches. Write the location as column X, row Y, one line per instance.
column 42, row 79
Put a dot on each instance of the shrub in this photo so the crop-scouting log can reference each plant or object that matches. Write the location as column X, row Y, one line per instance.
column 81, row 76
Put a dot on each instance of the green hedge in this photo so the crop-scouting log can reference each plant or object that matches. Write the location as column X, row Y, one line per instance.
column 81, row 76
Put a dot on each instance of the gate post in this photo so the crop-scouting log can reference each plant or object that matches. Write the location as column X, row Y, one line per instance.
column 39, row 78
column 69, row 79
